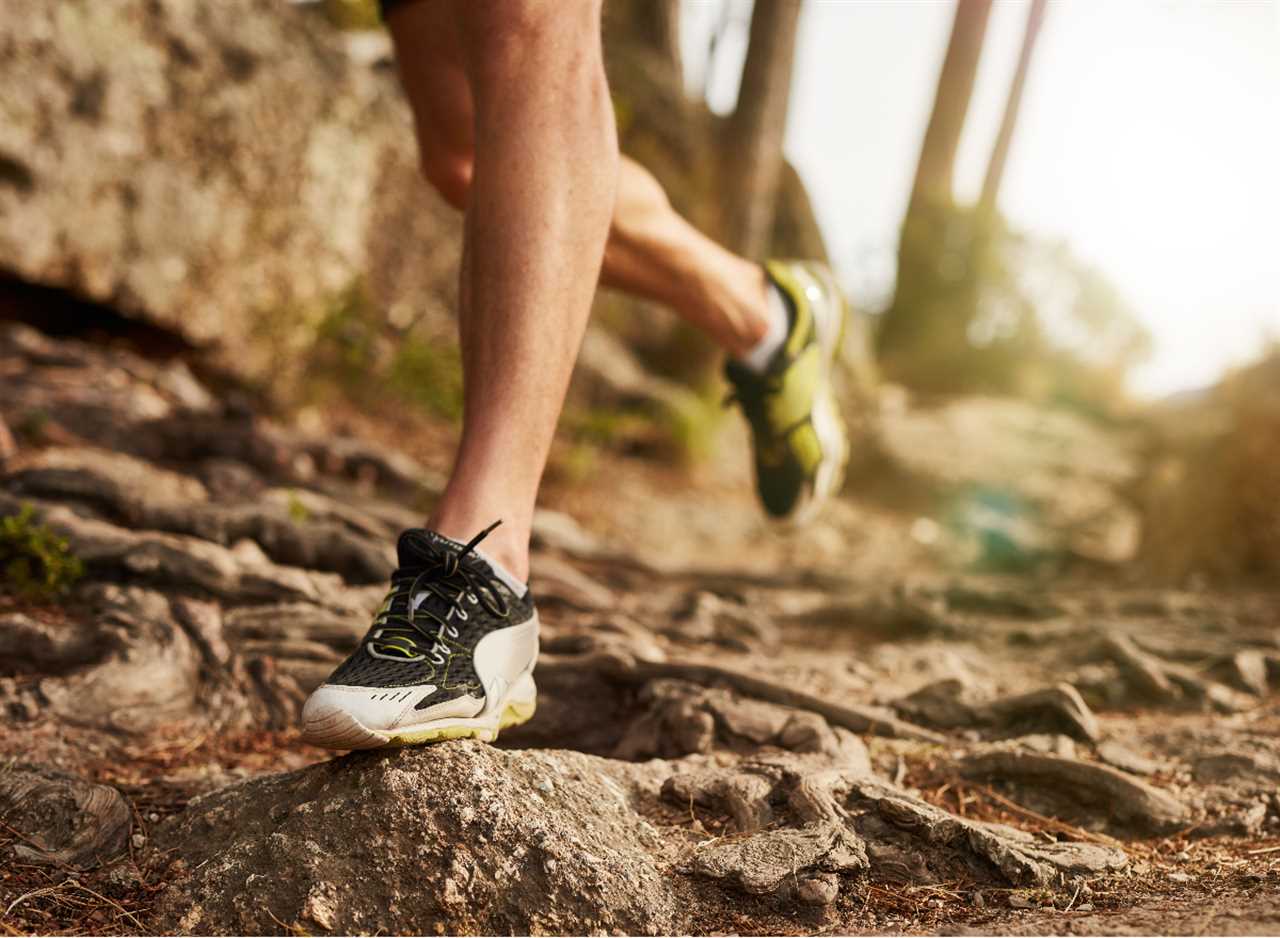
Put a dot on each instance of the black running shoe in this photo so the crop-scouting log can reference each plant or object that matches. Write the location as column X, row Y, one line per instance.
column 450, row 654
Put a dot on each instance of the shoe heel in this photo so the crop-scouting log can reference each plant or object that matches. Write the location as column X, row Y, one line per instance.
column 522, row 702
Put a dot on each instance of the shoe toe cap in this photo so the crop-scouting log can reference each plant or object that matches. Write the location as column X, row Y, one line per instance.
column 376, row 709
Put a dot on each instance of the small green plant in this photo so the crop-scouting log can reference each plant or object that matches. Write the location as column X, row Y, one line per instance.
column 357, row 354
column 37, row 563
column 429, row 375
column 299, row 513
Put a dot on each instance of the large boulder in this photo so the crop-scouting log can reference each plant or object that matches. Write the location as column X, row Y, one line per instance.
column 459, row 839
column 219, row 170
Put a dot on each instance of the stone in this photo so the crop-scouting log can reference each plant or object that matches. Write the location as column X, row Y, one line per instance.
column 301, row 846
column 211, row 169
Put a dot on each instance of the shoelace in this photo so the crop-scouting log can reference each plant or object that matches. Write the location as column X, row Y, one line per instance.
column 401, row 623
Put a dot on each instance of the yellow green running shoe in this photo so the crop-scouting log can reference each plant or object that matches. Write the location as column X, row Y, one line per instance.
column 801, row 446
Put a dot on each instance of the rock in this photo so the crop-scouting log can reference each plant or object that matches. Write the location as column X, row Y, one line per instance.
column 139, row 494
column 768, row 862
column 1020, row 858
column 501, row 855
column 820, row 890
column 63, row 820
column 1225, row 767
column 1124, row 800
column 944, row 704
column 109, row 129
column 1246, row 670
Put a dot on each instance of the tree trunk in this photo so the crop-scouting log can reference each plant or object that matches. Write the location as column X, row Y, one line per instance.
column 920, row 335
column 936, row 168
column 657, row 24
column 1004, row 139
column 753, row 136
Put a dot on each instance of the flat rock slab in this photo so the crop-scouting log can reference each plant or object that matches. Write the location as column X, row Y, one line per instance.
column 463, row 838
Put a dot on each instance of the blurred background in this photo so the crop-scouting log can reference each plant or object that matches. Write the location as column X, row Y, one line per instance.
column 1057, row 222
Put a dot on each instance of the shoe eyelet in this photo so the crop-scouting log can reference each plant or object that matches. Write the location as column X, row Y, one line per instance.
column 461, row 613
column 473, row 599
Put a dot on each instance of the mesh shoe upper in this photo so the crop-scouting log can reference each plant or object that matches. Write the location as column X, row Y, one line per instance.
column 443, row 600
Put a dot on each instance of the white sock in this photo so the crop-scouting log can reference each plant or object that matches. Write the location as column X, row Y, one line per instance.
column 759, row 355
column 505, row 575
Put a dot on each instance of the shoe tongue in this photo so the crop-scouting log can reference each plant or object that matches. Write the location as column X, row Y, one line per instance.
column 420, row 547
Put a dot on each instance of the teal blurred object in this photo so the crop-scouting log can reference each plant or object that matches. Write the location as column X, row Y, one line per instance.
column 997, row 529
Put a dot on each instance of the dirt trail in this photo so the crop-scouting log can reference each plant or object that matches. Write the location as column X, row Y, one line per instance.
column 738, row 729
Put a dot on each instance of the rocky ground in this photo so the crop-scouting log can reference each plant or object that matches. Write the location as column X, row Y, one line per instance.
column 738, row 730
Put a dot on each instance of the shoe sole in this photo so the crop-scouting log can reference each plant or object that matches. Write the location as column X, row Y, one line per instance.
column 338, row 729
column 829, row 322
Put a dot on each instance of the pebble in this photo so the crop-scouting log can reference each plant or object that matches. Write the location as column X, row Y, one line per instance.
column 818, row 890
column 546, row 786
column 1180, row 877
column 138, row 841
column 1085, row 907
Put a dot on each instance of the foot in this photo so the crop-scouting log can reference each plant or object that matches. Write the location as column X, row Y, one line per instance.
column 800, row 442
column 450, row 654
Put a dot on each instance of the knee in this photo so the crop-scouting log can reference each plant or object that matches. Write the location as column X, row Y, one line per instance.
column 506, row 37
column 448, row 169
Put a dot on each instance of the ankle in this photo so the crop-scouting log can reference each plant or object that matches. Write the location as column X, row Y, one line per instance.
column 507, row 544
column 748, row 307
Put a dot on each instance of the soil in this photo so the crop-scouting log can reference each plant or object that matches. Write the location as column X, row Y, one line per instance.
column 1131, row 731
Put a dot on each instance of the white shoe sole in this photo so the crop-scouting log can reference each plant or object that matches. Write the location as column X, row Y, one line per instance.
column 338, row 729
column 827, row 424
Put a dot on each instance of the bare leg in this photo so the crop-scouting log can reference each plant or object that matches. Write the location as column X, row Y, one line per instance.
column 652, row 252
column 540, row 195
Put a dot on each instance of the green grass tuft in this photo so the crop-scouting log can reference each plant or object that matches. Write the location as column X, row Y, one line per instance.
column 36, row 563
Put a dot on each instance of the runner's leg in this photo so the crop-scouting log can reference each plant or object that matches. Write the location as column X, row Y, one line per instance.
column 540, row 194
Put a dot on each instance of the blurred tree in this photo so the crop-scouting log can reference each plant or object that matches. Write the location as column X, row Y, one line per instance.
column 925, row 326
column 1000, row 152
column 655, row 24
column 977, row 306
column 752, row 140
column 936, row 167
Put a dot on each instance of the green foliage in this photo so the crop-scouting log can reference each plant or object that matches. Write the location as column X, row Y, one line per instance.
column 356, row 351
column 428, row 375
column 980, row 308
column 353, row 14
column 37, row 564
column 299, row 513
